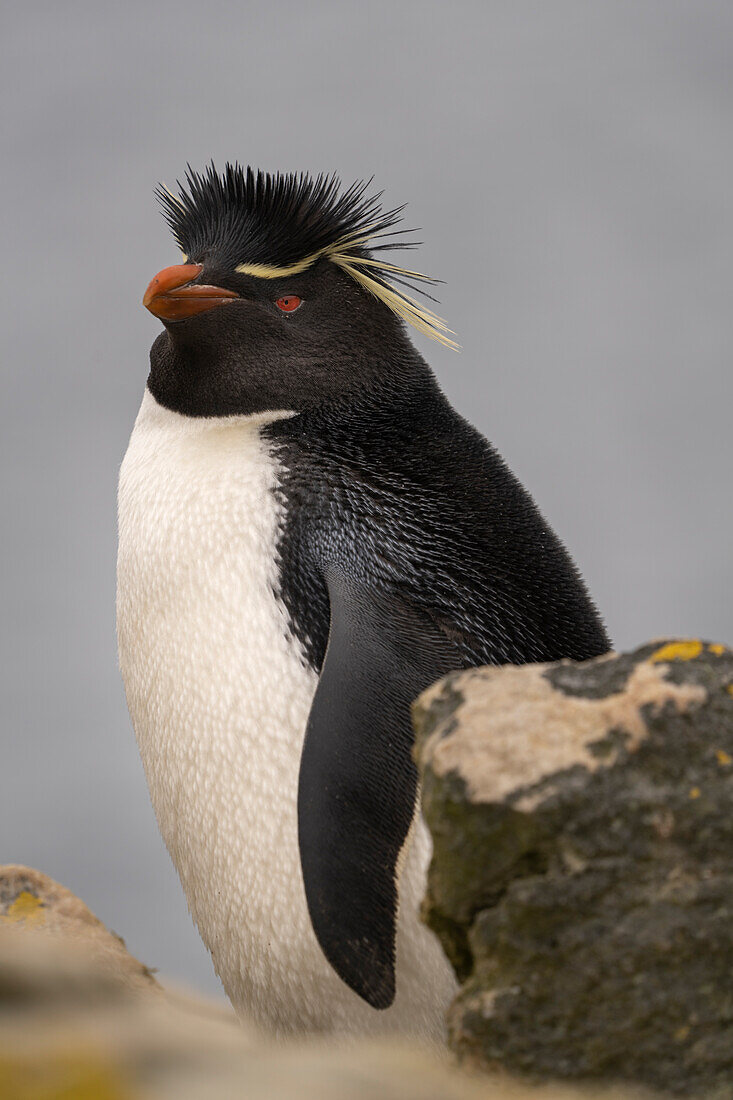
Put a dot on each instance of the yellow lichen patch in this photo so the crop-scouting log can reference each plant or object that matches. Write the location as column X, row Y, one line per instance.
column 26, row 908
column 723, row 758
column 695, row 792
column 57, row 1075
column 682, row 1033
column 717, row 649
column 677, row 651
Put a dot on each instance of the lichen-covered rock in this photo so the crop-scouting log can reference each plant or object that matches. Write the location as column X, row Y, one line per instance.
column 582, row 879
column 31, row 900
column 81, row 1020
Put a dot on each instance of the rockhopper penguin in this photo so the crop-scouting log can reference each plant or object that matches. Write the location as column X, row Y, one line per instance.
column 309, row 535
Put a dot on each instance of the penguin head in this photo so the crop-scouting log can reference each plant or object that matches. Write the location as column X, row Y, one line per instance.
column 283, row 301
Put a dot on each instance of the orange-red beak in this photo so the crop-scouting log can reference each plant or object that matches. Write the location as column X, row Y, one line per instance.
column 170, row 297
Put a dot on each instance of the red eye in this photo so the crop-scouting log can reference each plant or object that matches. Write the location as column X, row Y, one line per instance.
column 287, row 305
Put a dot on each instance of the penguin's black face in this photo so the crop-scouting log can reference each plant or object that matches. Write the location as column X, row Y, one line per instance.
column 236, row 344
column 285, row 301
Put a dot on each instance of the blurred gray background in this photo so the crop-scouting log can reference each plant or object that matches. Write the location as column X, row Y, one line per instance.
column 570, row 165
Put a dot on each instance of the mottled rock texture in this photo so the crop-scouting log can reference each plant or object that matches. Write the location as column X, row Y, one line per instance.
column 32, row 900
column 582, row 880
column 80, row 1019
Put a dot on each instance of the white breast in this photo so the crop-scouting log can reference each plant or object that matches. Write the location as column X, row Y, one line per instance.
column 219, row 695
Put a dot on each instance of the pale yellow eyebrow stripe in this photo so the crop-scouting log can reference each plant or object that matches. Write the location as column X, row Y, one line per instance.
column 404, row 305
column 267, row 271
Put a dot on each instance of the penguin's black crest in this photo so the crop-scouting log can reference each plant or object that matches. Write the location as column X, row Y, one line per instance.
column 274, row 225
column 275, row 219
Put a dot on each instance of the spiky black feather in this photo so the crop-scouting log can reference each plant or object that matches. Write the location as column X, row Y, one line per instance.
column 273, row 219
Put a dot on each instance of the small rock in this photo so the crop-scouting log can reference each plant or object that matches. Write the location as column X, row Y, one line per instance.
column 32, row 900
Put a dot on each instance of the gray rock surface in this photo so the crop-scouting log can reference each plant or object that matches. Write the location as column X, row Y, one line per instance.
column 582, row 880
column 80, row 1019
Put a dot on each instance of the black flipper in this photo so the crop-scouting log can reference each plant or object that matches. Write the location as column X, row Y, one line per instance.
column 358, row 781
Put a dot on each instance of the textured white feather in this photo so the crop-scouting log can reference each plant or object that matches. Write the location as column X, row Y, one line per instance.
column 219, row 695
